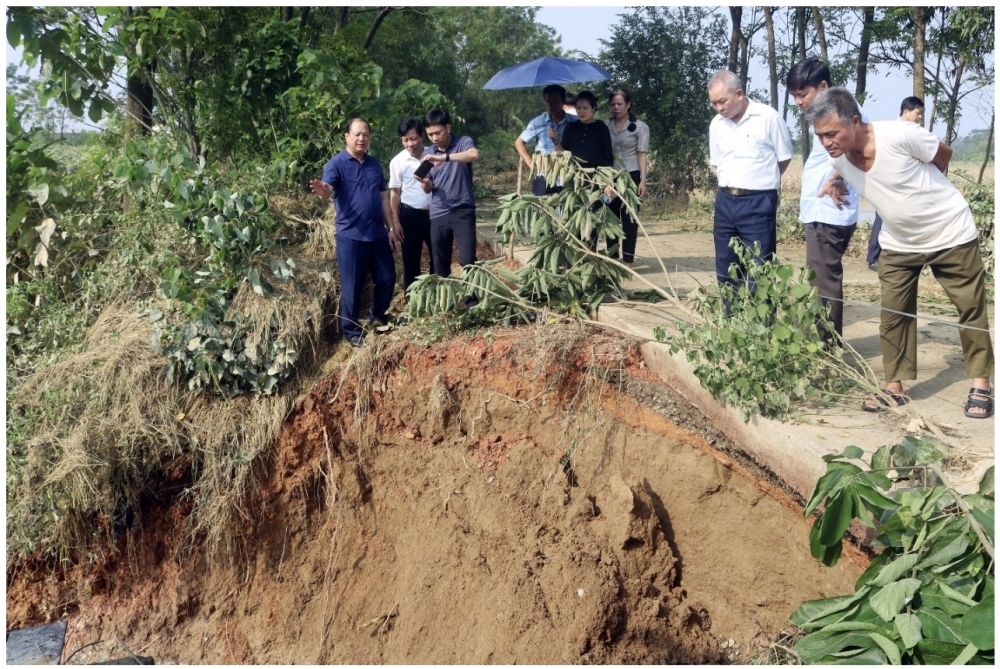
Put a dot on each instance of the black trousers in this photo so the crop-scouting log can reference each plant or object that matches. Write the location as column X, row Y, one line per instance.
column 629, row 227
column 459, row 226
column 416, row 233
column 874, row 248
column 825, row 246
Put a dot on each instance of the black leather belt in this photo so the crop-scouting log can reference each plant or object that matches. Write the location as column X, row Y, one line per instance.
column 743, row 191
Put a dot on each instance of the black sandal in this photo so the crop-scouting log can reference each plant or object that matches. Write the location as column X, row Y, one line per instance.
column 899, row 398
column 974, row 401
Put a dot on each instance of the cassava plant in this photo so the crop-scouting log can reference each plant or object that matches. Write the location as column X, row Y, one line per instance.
column 928, row 597
column 565, row 274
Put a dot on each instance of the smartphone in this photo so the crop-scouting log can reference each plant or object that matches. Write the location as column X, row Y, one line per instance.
column 423, row 169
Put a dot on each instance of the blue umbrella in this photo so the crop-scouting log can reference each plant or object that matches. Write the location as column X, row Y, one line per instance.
column 544, row 71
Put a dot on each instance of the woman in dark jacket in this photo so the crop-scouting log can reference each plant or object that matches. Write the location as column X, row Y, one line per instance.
column 588, row 139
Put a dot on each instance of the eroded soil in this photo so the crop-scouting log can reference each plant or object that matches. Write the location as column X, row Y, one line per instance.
column 504, row 499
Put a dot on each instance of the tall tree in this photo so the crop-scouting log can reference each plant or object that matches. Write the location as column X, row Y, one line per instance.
column 800, row 29
column 690, row 39
column 736, row 15
column 919, row 16
column 820, row 34
column 772, row 60
column 867, row 18
column 989, row 147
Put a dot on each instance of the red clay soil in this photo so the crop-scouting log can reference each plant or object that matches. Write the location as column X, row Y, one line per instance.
column 478, row 501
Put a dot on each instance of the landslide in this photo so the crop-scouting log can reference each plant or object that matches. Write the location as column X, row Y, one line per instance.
column 528, row 496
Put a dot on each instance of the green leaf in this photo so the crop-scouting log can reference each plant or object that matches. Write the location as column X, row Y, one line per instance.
column 817, row 609
column 836, row 519
column 820, row 644
column 955, row 595
column 947, row 553
column 931, row 651
column 923, row 451
column 940, row 626
column 828, row 555
column 894, row 570
column 988, row 522
column 825, row 484
column 967, row 654
column 852, row 453
column 986, row 484
column 888, row 601
column 889, row 648
column 909, row 628
column 881, row 459
column 978, row 624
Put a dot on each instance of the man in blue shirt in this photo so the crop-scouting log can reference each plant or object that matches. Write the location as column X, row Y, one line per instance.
column 366, row 238
column 545, row 130
column 453, row 205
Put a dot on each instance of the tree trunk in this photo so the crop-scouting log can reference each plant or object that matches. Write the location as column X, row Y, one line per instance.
column 800, row 26
column 744, row 59
column 305, row 17
column 772, row 59
column 286, row 13
column 736, row 13
column 139, row 103
column 342, row 16
column 989, row 146
column 791, row 58
column 820, row 34
column 379, row 18
column 932, row 108
column 868, row 18
column 919, row 46
column 953, row 98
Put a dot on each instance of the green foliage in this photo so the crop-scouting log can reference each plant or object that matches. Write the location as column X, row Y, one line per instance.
column 562, row 275
column 672, row 100
column 329, row 96
column 764, row 353
column 982, row 202
column 972, row 147
column 928, row 598
column 35, row 194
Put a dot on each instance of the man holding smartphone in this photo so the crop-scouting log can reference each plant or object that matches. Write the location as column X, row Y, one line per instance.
column 453, row 205
column 410, row 204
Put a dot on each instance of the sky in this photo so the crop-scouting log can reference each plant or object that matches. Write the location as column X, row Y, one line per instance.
column 582, row 27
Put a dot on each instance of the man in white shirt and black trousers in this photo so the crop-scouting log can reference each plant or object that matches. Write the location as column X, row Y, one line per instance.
column 750, row 148
column 828, row 224
column 899, row 167
column 410, row 205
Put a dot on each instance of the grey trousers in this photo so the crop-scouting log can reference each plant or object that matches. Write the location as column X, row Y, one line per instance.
column 825, row 247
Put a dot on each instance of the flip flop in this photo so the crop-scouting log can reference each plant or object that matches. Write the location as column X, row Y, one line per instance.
column 899, row 398
column 974, row 401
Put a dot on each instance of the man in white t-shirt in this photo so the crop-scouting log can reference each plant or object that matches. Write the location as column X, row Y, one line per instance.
column 409, row 203
column 899, row 167
column 828, row 225
column 750, row 148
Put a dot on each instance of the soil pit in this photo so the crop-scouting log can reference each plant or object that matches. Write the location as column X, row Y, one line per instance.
column 535, row 497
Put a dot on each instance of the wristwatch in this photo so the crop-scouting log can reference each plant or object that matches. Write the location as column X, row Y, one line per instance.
column 447, row 157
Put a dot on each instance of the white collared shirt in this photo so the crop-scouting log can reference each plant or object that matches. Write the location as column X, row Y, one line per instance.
column 746, row 154
column 815, row 173
column 401, row 169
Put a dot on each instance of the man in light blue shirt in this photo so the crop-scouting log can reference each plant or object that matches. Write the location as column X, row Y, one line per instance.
column 545, row 130
column 829, row 225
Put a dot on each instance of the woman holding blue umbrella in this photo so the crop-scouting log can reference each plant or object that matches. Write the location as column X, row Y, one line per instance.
column 630, row 140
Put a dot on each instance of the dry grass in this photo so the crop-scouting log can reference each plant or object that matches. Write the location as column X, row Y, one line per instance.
column 105, row 422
